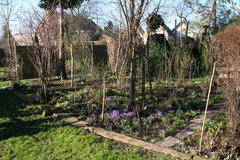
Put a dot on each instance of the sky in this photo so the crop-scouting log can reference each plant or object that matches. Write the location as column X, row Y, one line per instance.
column 104, row 11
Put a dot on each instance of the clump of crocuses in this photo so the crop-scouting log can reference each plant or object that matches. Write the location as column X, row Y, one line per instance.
column 192, row 149
column 116, row 115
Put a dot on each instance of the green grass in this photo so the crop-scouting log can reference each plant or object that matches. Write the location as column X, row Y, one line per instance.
column 4, row 84
column 41, row 139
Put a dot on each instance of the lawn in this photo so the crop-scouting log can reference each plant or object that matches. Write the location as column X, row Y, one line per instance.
column 44, row 139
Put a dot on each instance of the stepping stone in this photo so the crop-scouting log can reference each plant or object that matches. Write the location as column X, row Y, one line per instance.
column 80, row 124
column 199, row 158
column 184, row 133
column 168, row 142
column 71, row 120
column 193, row 126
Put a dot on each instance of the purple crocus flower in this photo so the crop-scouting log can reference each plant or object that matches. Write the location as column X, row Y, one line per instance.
column 115, row 112
column 129, row 114
column 159, row 113
column 38, row 97
column 192, row 149
column 124, row 115
column 135, row 119
column 161, row 131
column 171, row 111
column 109, row 97
column 151, row 117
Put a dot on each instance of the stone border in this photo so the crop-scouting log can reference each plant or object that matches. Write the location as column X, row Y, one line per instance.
column 126, row 139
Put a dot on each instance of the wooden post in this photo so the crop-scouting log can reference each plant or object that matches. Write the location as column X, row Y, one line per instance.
column 103, row 100
column 72, row 66
column 206, row 108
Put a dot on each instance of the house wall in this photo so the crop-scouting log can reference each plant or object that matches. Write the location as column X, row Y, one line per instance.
column 27, row 69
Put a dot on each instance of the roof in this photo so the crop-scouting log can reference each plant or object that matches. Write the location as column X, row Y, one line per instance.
column 25, row 39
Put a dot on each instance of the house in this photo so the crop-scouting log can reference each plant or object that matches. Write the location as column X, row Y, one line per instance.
column 23, row 43
column 81, row 26
column 175, row 36
column 182, row 29
column 25, row 39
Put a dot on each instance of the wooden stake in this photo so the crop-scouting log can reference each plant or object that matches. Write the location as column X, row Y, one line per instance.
column 103, row 101
column 72, row 65
column 206, row 107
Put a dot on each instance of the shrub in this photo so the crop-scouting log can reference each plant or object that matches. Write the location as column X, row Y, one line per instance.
column 227, row 47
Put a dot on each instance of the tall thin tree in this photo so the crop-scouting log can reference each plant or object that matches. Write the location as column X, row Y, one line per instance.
column 133, row 12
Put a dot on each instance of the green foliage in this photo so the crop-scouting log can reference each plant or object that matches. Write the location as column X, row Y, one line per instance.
column 158, row 50
column 154, row 21
column 216, row 99
column 3, row 75
column 48, row 4
column 4, row 84
column 217, row 124
column 168, row 62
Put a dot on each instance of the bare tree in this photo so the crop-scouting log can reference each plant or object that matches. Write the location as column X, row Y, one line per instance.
column 133, row 12
column 6, row 15
column 44, row 39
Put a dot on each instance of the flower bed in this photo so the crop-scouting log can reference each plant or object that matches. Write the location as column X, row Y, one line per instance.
column 153, row 126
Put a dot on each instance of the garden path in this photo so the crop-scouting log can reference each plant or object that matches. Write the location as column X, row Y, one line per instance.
column 195, row 124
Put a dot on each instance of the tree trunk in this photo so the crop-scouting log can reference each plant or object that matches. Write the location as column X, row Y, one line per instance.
column 16, row 62
column 13, row 54
column 132, row 89
column 148, row 62
column 187, row 28
column 143, row 81
column 62, row 69
column 42, row 75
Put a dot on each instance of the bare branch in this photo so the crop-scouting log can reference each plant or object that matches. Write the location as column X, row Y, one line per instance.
column 232, row 5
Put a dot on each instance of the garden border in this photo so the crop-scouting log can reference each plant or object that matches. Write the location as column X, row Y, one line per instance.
column 68, row 118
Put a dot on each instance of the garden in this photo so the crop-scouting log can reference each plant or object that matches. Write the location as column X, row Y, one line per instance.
column 73, row 87
column 170, row 108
